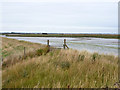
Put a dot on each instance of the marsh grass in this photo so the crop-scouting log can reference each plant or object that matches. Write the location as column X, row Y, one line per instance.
column 60, row 69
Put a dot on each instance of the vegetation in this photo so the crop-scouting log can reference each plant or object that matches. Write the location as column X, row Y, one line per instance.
column 66, row 35
column 13, row 50
column 57, row 68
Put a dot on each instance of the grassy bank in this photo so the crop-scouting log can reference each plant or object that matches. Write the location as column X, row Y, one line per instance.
column 15, row 47
column 66, row 35
column 57, row 68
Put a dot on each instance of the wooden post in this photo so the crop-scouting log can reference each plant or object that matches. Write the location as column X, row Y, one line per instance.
column 64, row 43
column 24, row 52
column 2, row 61
column 48, row 45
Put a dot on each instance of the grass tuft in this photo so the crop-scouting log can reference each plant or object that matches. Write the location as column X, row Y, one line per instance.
column 65, row 65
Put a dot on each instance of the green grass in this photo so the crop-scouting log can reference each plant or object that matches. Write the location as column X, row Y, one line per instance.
column 116, row 36
column 5, row 54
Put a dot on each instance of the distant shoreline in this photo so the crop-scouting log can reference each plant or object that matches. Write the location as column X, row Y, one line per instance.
column 115, row 36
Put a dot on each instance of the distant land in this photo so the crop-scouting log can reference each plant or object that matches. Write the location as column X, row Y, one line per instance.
column 96, row 35
column 57, row 33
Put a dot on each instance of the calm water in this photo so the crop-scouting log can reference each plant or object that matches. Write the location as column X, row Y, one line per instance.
column 100, row 45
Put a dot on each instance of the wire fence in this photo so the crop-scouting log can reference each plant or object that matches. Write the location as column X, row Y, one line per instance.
column 21, row 52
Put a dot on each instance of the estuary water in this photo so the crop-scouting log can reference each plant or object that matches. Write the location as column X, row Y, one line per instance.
column 100, row 45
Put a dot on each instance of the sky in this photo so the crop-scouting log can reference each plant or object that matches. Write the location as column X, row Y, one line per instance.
column 59, row 16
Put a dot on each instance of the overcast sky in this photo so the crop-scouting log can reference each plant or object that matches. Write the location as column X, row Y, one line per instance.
column 59, row 16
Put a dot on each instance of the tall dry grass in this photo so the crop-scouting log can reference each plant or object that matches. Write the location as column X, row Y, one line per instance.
column 56, row 69
column 63, row 68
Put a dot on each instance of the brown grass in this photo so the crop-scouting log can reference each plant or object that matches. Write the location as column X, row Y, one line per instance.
column 60, row 69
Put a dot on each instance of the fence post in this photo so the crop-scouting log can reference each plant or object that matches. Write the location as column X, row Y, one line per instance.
column 24, row 52
column 64, row 43
column 48, row 45
column 47, row 42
